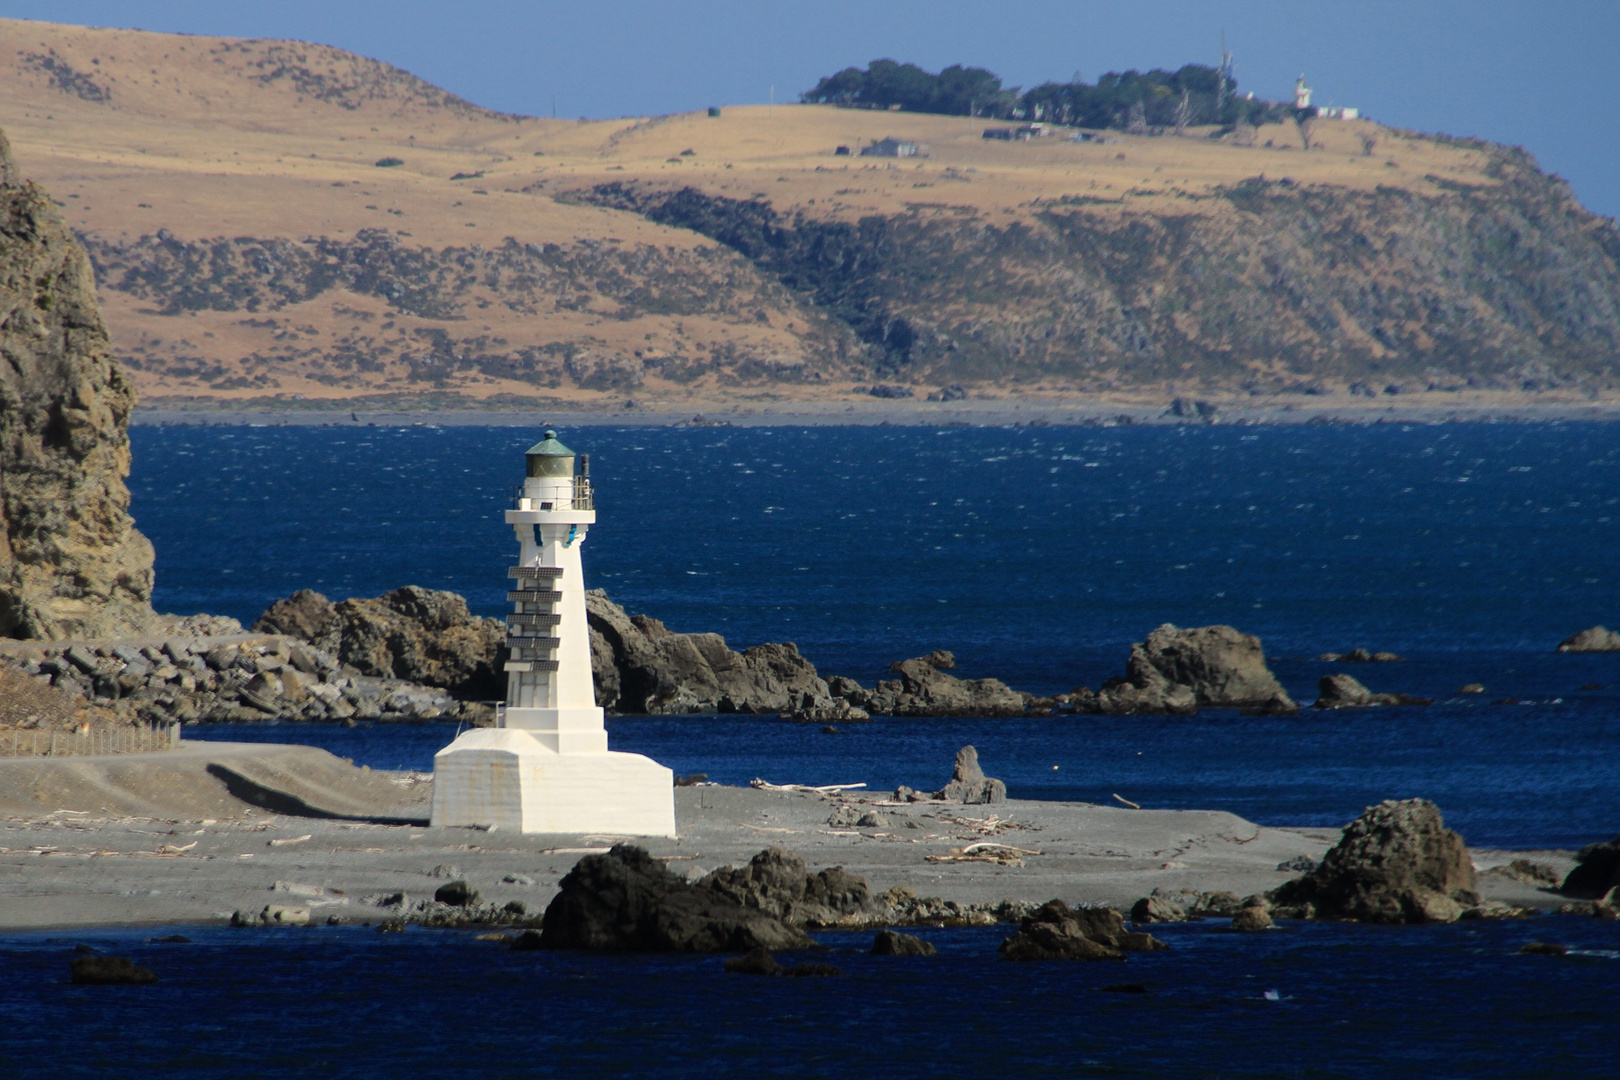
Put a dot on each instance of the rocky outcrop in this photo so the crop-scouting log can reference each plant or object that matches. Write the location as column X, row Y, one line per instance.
column 628, row 901
column 1396, row 863
column 1596, row 873
column 1151, row 909
column 1346, row 692
column 239, row 679
column 414, row 634
column 924, row 689
column 894, row 943
column 968, row 784
column 777, row 883
column 72, row 564
column 1597, row 639
column 641, row 666
column 1054, row 931
column 1176, row 671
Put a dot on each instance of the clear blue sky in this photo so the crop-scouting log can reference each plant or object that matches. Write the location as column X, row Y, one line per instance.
column 1545, row 75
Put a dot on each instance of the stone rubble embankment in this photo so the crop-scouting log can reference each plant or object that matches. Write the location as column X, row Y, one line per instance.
column 239, row 678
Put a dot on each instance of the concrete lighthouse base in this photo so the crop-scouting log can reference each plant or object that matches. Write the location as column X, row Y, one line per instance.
column 508, row 778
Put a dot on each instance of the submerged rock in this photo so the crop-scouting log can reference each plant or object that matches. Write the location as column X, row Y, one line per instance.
column 628, row 901
column 1054, row 931
column 1597, row 639
column 1345, row 692
column 93, row 970
column 894, row 943
column 1396, row 863
column 1175, row 671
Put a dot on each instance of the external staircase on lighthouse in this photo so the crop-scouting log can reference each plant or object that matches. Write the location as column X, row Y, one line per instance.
column 545, row 767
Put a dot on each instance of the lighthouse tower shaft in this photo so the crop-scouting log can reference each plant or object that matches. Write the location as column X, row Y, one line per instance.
column 549, row 690
column 545, row 766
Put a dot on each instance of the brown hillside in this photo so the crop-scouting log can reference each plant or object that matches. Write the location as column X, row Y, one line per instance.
column 248, row 245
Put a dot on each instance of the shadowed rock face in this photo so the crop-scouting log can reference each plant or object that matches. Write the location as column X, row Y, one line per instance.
column 641, row 666
column 628, row 901
column 925, row 689
column 1596, row 872
column 1057, row 932
column 1175, row 671
column 71, row 562
column 1396, row 863
column 421, row 635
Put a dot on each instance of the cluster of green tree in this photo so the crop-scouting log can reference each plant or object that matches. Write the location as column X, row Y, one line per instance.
column 1132, row 100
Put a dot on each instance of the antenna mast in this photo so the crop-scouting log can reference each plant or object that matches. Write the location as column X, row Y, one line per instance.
column 1224, row 77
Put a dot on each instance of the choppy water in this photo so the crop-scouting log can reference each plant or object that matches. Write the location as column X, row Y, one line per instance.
column 1312, row 1001
column 1037, row 555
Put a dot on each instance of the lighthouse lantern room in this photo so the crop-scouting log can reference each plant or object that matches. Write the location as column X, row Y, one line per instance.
column 545, row 766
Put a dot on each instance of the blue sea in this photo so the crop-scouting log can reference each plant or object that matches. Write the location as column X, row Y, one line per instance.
column 1036, row 555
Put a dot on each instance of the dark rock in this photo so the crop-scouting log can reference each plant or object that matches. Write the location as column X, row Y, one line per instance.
column 969, row 784
column 172, row 939
column 754, row 962
column 1396, row 863
column 420, row 635
column 1543, row 948
column 1125, row 988
column 924, row 689
column 894, row 943
column 1597, row 870
column 627, row 901
column 1055, row 931
column 456, row 894
column 1152, row 909
column 1250, row 919
column 641, row 666
column 691, row 779
column 1597, row 639
column 92, row 970
column 528, row 941
column 1176, row 671
column 1345, row 692
column 1299, row 864
column 776, row 882
column 761, row 962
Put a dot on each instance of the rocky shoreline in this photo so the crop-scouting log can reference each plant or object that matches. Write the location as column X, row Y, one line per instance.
column 418, row 654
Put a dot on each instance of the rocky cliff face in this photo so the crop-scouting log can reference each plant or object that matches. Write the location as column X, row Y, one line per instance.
column 71, row 562
column 1265, row 285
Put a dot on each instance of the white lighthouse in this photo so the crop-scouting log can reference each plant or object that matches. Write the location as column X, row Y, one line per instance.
column 545, row 766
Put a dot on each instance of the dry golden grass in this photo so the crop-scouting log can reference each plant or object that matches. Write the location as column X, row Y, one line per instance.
column 134, row 132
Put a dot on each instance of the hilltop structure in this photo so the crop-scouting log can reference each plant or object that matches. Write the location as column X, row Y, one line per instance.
column 545, row 767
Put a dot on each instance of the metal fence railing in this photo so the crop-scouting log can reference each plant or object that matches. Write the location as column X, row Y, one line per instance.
column 131, row 739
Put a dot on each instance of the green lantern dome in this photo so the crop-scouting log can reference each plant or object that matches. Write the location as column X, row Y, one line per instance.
column 548, row 457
